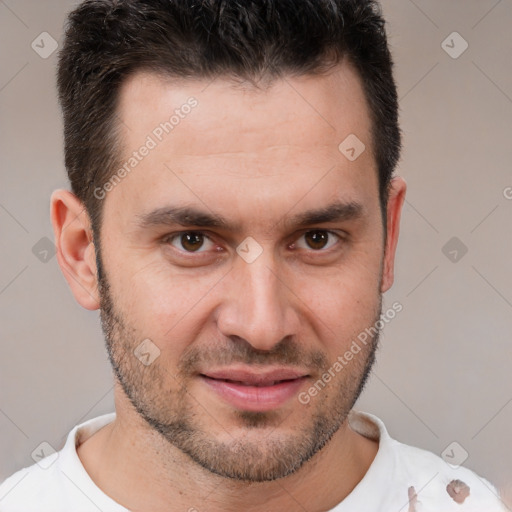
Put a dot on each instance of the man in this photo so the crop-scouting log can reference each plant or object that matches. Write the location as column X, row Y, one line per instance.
column 235, row 217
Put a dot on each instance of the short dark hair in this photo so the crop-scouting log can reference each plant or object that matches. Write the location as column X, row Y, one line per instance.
column 108, row 40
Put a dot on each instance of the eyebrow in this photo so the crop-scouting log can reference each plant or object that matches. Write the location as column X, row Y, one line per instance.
column 191, row 216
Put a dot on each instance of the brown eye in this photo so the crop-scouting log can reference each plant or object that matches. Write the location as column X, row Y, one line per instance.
column 190, row 241
column 317, row 240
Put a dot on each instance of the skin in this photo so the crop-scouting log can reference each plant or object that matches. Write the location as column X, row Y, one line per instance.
column 256, row 157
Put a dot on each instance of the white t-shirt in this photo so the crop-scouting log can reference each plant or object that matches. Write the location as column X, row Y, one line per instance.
column 59, row 482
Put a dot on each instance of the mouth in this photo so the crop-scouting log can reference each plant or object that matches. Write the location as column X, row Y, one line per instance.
column 249, row 390
column 254, row 384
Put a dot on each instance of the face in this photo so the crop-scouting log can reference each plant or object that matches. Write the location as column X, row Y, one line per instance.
column 242, row 255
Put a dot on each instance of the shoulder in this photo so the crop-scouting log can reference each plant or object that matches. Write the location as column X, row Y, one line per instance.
column 58, row 482
column 31, row 486
column 434, row 482
column 422, row 478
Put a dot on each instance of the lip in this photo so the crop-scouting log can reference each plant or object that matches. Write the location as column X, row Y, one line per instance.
column 255, row 391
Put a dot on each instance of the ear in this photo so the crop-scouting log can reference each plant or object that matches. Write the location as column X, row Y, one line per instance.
column 396, row 200
column 75, row 247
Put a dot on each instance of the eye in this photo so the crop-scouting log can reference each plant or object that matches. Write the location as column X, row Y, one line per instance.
column 190, row 241
column 318, row 240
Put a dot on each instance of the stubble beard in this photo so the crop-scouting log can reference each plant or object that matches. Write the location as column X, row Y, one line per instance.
column 165, row 404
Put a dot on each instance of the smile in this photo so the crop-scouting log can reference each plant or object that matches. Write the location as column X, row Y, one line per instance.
column 257, row 392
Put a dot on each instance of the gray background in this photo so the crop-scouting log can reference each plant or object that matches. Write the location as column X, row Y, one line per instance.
column 443, row 371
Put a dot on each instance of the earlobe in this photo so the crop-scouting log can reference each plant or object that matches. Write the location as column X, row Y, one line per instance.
column 75, row 247
column 394, row 211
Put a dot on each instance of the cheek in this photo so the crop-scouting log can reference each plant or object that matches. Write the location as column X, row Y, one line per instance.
column 342, row 303
column 159, row 304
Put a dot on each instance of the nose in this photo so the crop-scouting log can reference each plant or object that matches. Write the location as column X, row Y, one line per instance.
column 257, row 305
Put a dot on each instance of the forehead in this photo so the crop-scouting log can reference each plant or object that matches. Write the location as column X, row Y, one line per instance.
column 209, row 138
column 316, row 110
